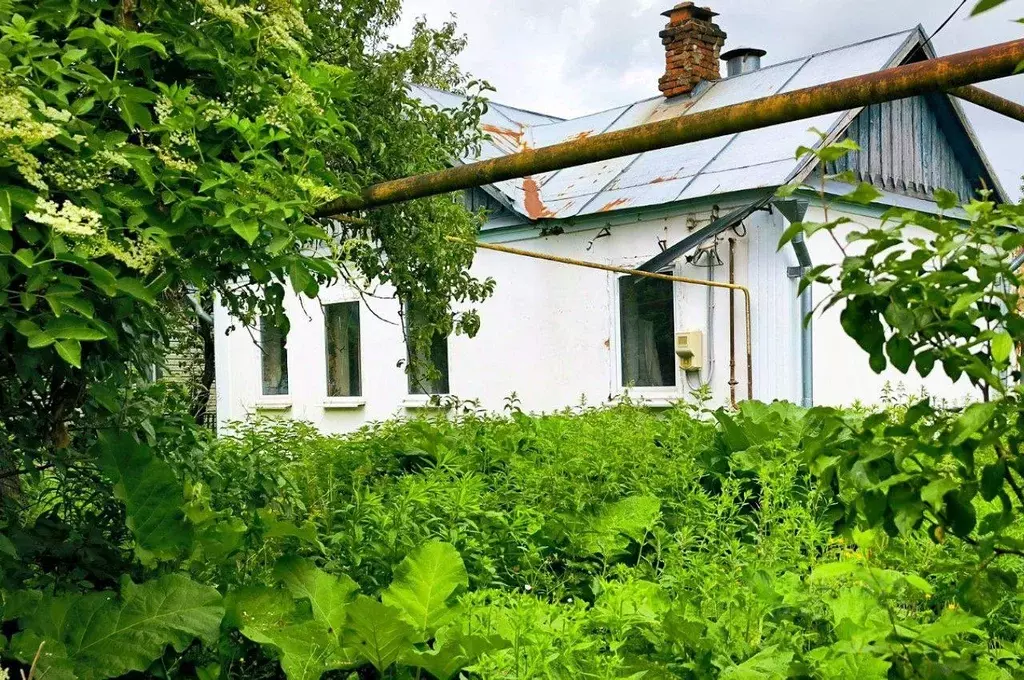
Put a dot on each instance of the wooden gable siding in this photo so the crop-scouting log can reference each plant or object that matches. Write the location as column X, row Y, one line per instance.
column 912, row 147
column 478, row 199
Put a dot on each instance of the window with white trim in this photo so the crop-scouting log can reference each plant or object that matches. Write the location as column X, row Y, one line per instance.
column 429, row 369
column 341, row 327
column 274, row 357
column 647, row 332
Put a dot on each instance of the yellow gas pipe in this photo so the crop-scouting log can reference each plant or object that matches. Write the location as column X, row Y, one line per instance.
column 636, row 272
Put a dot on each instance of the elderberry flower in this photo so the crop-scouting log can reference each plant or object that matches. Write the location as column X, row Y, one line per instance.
column 68, row 219
column 219, row 10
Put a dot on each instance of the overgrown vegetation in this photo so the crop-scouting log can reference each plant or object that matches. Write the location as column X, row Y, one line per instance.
column 611, row 543
column 153, row 152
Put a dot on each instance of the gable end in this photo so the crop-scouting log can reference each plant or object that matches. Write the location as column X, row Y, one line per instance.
column 912, row 147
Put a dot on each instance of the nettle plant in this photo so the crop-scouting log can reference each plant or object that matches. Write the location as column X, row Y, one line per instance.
column 926, row 292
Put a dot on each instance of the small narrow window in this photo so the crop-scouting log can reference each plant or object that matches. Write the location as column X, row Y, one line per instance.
column 342, row 328
column 647, row 320
column 273, row 342
column 429, row 374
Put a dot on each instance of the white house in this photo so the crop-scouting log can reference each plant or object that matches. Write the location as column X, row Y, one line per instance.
column 557, row 335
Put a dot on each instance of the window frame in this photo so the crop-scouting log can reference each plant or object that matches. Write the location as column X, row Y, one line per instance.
column 656, row 393
column 343, row 398
column 273, row 396
column 412, row 398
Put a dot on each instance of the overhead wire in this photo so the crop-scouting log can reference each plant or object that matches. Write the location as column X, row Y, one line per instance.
column 946, row 22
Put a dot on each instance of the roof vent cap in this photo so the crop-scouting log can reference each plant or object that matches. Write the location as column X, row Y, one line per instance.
column 743, row 60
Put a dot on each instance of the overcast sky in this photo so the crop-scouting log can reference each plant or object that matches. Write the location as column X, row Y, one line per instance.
column 572, row 57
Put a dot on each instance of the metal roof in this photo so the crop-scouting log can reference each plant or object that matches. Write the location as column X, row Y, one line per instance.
column 756, row 159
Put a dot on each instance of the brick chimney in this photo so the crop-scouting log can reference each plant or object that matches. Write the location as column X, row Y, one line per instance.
column 692, row 47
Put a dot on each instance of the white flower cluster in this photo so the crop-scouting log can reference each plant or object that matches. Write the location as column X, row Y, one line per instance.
column 28, row 166
column 232, row 15
column 135, row 253
column 68, row 219
column 172, row 160
column 164, row 108
column 20, row 131
column 302, row 94
column 276, row 118
column 318, row 191
column 18, row 123
column 283, row 23
column 215, row 111
column 78, row 174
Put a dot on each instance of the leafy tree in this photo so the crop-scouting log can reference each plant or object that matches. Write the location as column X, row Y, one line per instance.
column 925, row 292
column 155, row 157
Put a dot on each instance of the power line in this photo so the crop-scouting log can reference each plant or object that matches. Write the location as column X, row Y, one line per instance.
column 946, row 22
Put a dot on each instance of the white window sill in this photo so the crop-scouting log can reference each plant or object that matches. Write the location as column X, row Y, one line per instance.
column 425, row 401
column 660, row 399
column 274, row 403
column 343, row 403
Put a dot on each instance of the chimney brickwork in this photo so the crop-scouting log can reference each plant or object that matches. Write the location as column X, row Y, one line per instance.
column 693, row 44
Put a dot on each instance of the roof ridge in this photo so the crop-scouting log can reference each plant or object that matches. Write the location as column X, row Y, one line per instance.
column 794, row 60
column 558, row 119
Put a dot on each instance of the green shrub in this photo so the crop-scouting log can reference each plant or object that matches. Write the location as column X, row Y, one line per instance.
column 616, row 542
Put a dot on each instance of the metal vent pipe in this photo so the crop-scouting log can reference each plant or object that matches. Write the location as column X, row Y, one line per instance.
column 742, row 60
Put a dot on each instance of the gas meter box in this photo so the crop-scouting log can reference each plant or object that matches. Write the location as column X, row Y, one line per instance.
column 690, row 350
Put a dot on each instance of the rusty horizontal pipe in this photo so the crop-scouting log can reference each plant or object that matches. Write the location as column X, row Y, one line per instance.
column 933, row 75
column 987, row 100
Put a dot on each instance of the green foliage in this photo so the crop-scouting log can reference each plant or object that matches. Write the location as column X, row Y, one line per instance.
column 152, row 151
column 424, row 586
column 105, row 635
column 156, row 152
column 918, row 291
column 445, row 547
column 152, row 496
column 155, row 156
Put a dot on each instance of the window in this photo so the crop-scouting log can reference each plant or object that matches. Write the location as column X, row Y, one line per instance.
column 273, row 342
column 647, row 321
column 423, row 380
column 341, row 323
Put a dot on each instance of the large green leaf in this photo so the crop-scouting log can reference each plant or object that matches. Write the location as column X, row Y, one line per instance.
column 768, row 664
column 259, row 612
column 99, row 635
column 974, row 417
column 329, row 595
column 424, row 585
column 307, row 647
column 152, row 496
column 379, row 631
column 453, row 650
column 308, row 651
column 6, row 216
column 630, row 518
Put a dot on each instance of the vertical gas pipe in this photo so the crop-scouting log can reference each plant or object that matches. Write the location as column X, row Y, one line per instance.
column 732, row 324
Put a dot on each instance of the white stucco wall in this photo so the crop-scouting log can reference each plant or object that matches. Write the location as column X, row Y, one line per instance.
column 550, row 333
column 842, row 375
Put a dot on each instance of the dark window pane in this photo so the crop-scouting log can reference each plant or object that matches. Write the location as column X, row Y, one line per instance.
column 342, row 327
column 647, row 320
column 423, row 380
column 274, row 357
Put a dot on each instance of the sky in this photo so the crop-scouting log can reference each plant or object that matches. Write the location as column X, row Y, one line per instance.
column 572, row 57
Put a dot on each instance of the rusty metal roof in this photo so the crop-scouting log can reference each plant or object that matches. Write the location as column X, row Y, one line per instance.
column 756, row 159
